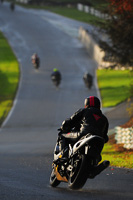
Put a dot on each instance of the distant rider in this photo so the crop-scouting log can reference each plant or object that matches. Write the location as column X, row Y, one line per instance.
column 88, row 79
column 56, row 76
column 86, row 120
column 35, row 60
column 12, row 6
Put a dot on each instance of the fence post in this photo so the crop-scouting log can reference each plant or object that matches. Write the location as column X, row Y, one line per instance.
column 80, row 7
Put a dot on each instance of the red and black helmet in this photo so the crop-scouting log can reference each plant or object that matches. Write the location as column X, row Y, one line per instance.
column 92, row 101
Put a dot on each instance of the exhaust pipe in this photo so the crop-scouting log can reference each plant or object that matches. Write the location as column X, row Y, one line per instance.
column 99, row 168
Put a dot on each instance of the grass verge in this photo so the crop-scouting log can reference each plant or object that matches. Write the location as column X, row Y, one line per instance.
column 114, row 86
column 101, row 5
column 9, row 77
column 117, row 155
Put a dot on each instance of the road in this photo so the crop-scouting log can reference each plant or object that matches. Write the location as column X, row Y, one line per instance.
column 28, row 135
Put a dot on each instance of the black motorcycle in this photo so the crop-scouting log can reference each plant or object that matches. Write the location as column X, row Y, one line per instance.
column 88, row 80
column 12, row 6
column 82, row 163
column 56, row 78
column 36, row 63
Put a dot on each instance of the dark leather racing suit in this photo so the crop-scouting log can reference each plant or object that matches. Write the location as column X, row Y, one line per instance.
column 84, row 121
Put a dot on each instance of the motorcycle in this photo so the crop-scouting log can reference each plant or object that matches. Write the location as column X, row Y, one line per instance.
column 12, row 6
column 55, row 81
column 88, row 80
column 36, row 62
column 84, row 155
column 56, row 78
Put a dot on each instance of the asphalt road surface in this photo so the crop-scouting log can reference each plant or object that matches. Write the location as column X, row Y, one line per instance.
column 28, row 135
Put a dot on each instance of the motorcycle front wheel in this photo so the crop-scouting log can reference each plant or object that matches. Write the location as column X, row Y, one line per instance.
column 53, row 180
column 78, row 175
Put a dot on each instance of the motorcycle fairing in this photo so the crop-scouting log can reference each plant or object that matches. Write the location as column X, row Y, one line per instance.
column 58, row 176
column 86, row 140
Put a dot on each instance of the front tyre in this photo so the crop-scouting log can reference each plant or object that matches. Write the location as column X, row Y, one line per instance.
column 53, row 180
column 78, row 175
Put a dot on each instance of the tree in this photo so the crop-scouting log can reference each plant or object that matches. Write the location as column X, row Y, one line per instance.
column 120, row 30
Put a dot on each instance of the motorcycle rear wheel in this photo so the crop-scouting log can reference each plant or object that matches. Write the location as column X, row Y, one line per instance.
column 53, row 180
column 78, row 175
column 36, row 66
column 56, row 83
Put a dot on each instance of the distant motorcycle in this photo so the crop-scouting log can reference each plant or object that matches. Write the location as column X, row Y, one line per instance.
column 88, row 80
column 82, row 162
column 35, row 61
column 12, row 6
column 56, row 77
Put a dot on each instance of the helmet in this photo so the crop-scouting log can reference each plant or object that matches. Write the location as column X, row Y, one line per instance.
column 34, row 56
column 55, row 70
column 92, row 101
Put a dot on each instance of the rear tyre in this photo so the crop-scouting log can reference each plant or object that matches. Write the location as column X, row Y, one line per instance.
column 78, row 175
column 56, row 83
column 36, row 66
column 53, row 180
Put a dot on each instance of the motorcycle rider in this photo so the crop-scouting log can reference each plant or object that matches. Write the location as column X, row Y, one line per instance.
column 12, row 6
column 35, row 60
column 56, row 76
column 88, row 79
column 86, row 120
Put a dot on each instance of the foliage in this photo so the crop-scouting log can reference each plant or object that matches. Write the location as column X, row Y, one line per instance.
column 120, row 30
column 122, row 6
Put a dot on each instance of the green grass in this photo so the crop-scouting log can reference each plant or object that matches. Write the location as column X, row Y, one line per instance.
column 9, row 77
column 117, row 158
column 100, row 4
column 114, row 86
